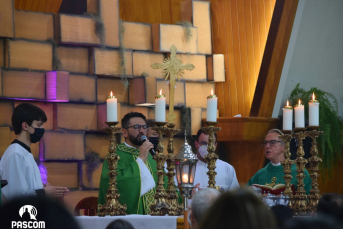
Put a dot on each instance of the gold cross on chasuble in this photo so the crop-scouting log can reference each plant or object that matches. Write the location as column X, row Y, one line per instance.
column 172, row 68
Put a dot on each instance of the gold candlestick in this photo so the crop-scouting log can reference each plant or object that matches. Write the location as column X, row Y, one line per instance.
column 160, row 206
column 314, row 161
column 211, row 157
column 287, row 164
column 300, row 204
column 112, row 206
column 175, row 208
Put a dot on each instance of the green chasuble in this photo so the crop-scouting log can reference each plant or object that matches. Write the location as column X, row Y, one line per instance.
column 129, row 181
column 266, row 174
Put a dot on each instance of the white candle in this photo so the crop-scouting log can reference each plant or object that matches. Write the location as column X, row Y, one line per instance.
column 313, row 110
column 111, row 108
column 287, row 117
column 160, row 107
column 299, row 115
column 211, row 115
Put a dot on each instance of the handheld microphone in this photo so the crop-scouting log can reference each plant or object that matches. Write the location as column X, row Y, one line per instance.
column 152, row 151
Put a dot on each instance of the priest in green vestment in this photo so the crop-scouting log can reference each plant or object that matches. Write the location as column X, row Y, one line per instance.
column 273, row 171
column 137, row 178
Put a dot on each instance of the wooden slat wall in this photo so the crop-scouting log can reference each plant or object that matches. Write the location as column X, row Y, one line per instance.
column 246, row 157
column 46, row 6
column 334, row 182
column 150, row 11
column 239, row 30
column 273, row 58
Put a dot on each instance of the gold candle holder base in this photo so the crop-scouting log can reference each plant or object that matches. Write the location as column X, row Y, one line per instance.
column 287, row 164
column 287, row 132
column 313, row 127
column 314, row 160
column 299, row 129
column 175, row 208
column 112, row 206
column 160, row 206
column 300, row 198
column 211, row 157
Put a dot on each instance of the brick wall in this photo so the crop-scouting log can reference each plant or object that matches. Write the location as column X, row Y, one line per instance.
column 74, row 98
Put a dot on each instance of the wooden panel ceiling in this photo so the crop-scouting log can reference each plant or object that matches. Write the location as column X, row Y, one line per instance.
column 46, row 6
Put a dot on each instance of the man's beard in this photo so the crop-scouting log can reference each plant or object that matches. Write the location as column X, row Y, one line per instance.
column 136, row 140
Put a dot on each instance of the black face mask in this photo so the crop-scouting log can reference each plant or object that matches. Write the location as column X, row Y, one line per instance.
column 154, row 141
column 37, row 135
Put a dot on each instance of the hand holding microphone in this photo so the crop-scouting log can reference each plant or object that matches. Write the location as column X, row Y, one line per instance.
column 145, row 148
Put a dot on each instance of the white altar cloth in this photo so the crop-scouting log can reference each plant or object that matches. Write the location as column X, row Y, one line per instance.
column 137, row 221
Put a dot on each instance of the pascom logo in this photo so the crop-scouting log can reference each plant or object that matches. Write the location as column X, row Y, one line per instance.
column 31, row 211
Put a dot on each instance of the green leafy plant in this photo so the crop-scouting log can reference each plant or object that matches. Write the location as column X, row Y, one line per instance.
column 99, row 27
column 56, row 62
column 187, row 27
column 331, row 141
column 122, row 50
column 93, row 162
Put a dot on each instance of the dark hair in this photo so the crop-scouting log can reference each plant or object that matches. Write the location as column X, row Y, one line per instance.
column 318, row 222
column 201, row 131
column 125, row 122
column 239, row 209
column 54, row 214
column 331, row 204
column 150, row 122
column 282, row 214
column 26, row 112
column 120, row 224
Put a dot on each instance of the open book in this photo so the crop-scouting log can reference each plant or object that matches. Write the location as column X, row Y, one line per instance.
column 275, row 190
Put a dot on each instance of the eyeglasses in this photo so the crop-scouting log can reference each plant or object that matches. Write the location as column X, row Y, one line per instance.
column 271, row 142
column 138, row 127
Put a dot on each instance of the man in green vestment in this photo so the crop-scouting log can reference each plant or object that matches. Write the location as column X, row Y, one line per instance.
column 136, row 168
column 274, row 148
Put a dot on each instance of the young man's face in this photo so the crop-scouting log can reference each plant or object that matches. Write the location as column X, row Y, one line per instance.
column 35, row 124
column 203, row 140
column 132, row 135
column 151, row 133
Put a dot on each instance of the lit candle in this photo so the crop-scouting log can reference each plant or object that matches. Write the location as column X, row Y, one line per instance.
column 211, row 108
column 313, row 114
column 111, row 108
column 299, row 115
column 185, row 178
column 287, row 117
column 160, row 107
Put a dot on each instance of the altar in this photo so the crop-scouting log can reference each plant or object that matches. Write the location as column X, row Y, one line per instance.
column 137, row 221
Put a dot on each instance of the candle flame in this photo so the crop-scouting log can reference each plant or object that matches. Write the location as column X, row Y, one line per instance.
column 287, row 103
column 299, row 102
column 212, row 92
column 185, row 178
column 111, row 94
column 313, row 97
column 161, row 92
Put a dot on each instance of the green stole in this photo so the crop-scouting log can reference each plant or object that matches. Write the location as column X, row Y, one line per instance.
column 266, row 174
column 129, row 181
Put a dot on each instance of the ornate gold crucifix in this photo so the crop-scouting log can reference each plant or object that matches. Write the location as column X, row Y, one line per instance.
column 172, row 69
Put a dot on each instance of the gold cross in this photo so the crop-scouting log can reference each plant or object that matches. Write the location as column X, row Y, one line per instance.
column 172, row 69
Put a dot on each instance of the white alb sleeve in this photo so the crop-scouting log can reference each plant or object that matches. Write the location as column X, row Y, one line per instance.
column 14, row 171
column 147, row 180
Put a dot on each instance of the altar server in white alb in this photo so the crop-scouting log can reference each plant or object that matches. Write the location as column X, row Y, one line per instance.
column 226, row 175
column 17, row 164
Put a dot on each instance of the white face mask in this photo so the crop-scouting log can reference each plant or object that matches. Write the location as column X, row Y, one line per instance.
column 203, row 151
